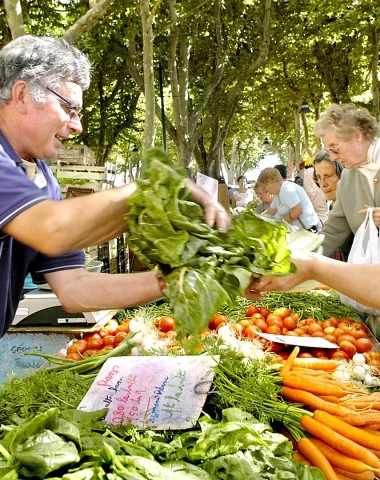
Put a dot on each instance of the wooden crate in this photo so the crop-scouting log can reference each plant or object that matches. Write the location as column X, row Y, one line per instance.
column 98, row 178
column 75, row 155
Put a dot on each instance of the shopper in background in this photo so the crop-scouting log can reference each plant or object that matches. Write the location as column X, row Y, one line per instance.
column 283, row 170
column 290, row 202
column 41, row 93
column 315, row 194
column 327, row 174
column 265, row 197
column 242, row 195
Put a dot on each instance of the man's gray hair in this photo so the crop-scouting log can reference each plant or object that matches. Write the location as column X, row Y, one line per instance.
column 41, row 61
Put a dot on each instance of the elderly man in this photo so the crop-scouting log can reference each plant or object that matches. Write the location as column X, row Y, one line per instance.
column 41, row 88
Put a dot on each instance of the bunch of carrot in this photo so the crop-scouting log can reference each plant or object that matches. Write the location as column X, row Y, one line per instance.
column 337, row 445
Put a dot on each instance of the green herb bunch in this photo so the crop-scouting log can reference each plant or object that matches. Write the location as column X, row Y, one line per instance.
column 203, row 266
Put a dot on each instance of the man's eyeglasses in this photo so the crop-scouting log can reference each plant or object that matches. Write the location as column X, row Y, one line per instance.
column 70, row 108
column 333, row 149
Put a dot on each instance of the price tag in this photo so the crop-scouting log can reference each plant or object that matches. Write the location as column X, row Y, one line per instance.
column 208, row 184
column 312, row 342
column 152, row 392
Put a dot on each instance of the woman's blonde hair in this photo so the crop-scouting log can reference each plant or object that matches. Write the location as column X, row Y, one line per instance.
column 269, row 175
column 346, row 119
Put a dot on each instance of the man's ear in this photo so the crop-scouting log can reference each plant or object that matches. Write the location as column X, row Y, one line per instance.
column 20, row 96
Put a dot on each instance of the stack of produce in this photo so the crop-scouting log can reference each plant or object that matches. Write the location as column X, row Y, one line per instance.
column 344, row 440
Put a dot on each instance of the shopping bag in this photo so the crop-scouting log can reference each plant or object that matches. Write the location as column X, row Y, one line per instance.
column 365, row 249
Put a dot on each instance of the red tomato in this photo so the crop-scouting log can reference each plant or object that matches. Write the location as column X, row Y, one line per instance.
column 103, row 332
column 119, row 337
column 295, row 316
column 264, row 312
column 329, row 330
column 338, row 355
column 314, row 327
column 347, row 320
column 345, row 336
column 90, row 353
column 261, row 323
column 221, row 324
column 168, row 323
column 289, row 323
column 326, row 324
column 358, row 332
column 274, row 330
column 106, row 348
column 251, row 331
column 318, row 333
column 92, row 335
column 284, row 355
column 216, row 319
column 334, row 321
column 274, row 320
column 347, row 347
column 111, row 326
column 257, row 316
column 282, row 312
column 122, row 328
column 360, row 325
column 363, row 345
column 251, row 310
column 318, row 352
column 309, row 321
column 275, row 347
column 291, row 333
column 330, row 338
column 109, row 340
column 245, row 323
column 95, row 343
column 338, row 332
column 77, row 347
column 74, row 356
column 298, row 331
column 305, row 355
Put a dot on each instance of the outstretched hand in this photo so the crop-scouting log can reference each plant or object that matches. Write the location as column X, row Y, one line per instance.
column 215, row 213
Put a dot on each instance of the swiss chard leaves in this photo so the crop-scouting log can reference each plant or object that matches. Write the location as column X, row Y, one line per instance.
column 205, row 268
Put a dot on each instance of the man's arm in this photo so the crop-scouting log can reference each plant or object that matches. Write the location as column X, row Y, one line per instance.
column 81, row 291
column 54, row 228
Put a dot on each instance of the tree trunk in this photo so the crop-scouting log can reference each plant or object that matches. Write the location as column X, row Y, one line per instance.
column 306, row 135
column 297, row 138
column 374, row 37
column 148, row 38
column 15, row 20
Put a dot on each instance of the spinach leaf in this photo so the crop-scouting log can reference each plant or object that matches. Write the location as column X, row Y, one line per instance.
column 204, row 268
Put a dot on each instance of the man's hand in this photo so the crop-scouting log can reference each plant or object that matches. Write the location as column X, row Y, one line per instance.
column 215, row 214
column 375, row 214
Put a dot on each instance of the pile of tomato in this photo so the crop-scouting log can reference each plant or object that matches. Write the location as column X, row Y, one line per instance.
column 350, row 336
column 111, row 334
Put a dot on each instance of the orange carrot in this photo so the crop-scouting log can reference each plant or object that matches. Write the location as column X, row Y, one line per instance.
column 364, row 405
column 376, row 452
column 362, row 419
column 300, row 458
column 330, row 398
column 355, row 476
column 309, row 371
column 371, row 430
column 289, row 361
column 313, row 402
column 317, row 363
column 355, row 434
column 339, row 442
column 312, row 386
column 339, row 460
column 342, row 477
column 349, row 387
column 316, row 457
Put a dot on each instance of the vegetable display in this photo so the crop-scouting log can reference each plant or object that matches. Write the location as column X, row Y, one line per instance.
column 204, row 268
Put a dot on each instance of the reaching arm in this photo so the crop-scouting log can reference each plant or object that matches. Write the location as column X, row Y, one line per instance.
column 81, row 291
column 54, row 228
column 359, row 282
column 294, row 213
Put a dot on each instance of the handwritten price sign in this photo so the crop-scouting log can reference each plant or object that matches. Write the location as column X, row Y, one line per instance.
column 151, row 392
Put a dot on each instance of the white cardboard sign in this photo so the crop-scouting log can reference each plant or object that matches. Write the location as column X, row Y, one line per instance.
column 312, row 342
column 152, row 392
column 208, row 184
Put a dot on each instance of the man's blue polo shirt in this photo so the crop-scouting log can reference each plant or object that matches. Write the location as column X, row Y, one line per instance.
column 18, row 193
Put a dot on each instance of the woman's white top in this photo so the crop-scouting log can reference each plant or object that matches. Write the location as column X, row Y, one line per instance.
column 242, row 199
column 291, row 195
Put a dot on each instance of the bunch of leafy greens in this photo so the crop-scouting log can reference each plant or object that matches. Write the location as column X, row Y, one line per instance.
column 204, row 267
column 64, row 445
